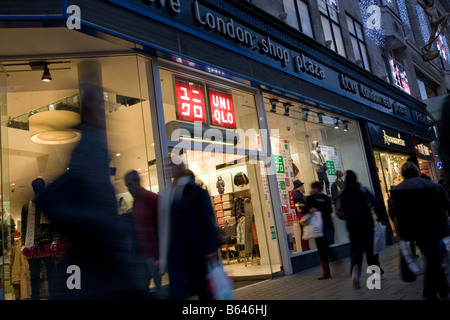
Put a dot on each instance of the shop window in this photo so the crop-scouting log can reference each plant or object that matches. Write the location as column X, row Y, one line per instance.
column 235, row 181
column 298, row 16
column 358, row 43
column 31, row 151
column 331, row 27
column 294, row 140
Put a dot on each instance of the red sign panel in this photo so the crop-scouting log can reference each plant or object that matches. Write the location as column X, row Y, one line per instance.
column 190, row 102
column 222, row 109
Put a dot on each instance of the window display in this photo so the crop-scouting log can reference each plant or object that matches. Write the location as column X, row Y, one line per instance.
column 239, row 192
column 36, row 151
column 315, row 147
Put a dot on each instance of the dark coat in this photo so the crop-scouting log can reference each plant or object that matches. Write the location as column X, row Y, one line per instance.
column 193, row 226
column 321, row 202
column 419, row 210
column 354, row 205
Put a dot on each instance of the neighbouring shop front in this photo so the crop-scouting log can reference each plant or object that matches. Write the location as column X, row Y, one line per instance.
column 245, row 102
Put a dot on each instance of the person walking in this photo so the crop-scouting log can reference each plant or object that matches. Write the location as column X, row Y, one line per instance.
column 144, row 216
column 188, row 234
column 318, row 201
column 354, row 205
column 421, row 216
column 299, row 203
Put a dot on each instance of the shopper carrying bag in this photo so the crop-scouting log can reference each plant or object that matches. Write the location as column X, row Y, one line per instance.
column 220, row 284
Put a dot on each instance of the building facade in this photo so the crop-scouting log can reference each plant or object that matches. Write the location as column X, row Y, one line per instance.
column 245, row 91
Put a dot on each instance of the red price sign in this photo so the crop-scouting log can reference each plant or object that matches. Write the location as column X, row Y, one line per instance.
column 190, row 102
column 222, row 109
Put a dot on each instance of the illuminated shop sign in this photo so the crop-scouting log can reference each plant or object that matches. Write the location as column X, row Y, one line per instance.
column 399, row 75
column 423, row 149
column 190, row 102
column 191, row 105
column 222, row 109
column 395, row 140
column 391, row 139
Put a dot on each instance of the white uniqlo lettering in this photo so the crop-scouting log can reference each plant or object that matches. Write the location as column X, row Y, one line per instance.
column 198, row 112
column 186, row 107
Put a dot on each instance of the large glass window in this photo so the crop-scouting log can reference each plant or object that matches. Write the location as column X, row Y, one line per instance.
column 234, row 179
column 37, row 135
column 296, row 137
column 331, row 27
column 298, row 16
column 358, row 43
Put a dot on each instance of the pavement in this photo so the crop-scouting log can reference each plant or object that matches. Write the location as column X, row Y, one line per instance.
column 305, row 286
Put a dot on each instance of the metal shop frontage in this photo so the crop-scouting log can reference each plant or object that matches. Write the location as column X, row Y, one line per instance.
column 246, row 101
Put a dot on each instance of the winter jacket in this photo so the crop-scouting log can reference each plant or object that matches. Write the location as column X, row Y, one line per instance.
column 419, row 210
column 322, row 203
column 355, row 204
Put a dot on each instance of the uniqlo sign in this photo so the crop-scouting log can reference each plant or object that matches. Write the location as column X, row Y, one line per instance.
column 190, row 102
column 222, row 109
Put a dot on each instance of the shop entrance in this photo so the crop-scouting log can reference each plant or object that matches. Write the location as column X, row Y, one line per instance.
column 240, row 199
column 389, row 166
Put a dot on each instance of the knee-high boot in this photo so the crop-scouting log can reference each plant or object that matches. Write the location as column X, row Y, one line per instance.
column 325, row 269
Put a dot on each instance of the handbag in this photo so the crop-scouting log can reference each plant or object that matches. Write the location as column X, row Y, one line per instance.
column 314, row 228
column 379, row 238
column 220, row 285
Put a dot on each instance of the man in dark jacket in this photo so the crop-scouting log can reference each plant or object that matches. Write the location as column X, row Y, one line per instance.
column 421, row 215
column 187, row 232
column 354, row 205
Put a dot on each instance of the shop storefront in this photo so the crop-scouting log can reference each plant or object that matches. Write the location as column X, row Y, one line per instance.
column 244, row 101
column 424, row 154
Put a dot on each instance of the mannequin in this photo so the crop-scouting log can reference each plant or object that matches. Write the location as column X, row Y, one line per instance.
column 220, row 185
column 320, row 165
column 37, row 232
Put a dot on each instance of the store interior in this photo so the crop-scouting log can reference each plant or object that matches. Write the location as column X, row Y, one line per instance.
column 37, row 139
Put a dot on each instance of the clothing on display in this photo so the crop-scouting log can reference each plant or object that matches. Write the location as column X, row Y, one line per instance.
column 320, row 165
column 220, row 185
column 240, row 179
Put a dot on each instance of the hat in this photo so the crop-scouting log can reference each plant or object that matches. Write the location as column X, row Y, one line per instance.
column 298, row 184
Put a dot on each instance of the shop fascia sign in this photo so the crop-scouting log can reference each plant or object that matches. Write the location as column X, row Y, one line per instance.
column 191, row 105
column 394, row 140
column 196, row 15
column 371, row 95
column 228, row 29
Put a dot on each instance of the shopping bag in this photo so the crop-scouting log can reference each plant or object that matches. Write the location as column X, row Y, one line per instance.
column 314, row 228
column 220, row 284
column 409, row 266
column 379, row 238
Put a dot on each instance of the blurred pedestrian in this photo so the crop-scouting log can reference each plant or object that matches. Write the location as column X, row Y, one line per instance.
column 354, row 205
column 299, row 203
column 144, row 215
column 82, row 205
column 420, row 213
column 337, row 186
column 319, row 201
column 188, row 235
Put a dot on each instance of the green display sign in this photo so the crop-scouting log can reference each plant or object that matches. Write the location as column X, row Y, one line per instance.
column 331, row 168
column 279, row 164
